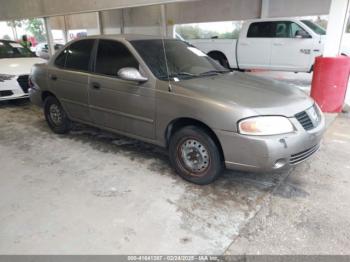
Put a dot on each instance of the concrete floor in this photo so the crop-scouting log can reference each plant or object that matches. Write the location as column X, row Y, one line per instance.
column 91, row 192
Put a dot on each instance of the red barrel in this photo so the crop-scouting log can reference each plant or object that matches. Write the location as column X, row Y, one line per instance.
column 330, row 81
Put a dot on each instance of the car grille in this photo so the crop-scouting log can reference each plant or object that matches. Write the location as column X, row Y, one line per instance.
column 309, row 120
column 6, row 93
column 305, row 120
column 300, row 157
column 23, row 81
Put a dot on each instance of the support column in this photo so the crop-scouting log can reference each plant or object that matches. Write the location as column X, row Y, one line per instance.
column 122, row 22
column 265, row 6
column 163, row 21
column 49, row 37
column 338, row 17
column 65, row 31
column 14, row 30
column 99, row 22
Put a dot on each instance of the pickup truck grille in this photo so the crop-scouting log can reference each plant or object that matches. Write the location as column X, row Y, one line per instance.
column 300, row 157
column 23, row 82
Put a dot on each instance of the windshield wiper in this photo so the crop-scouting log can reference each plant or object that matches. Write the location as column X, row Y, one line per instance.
column 214, row 72
column 181, row 74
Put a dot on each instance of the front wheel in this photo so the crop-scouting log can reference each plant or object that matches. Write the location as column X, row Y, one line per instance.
column 56, row 117
column 195, row 156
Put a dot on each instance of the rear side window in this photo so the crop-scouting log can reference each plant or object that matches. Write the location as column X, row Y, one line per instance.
column 76, row 56
column 113, row 56
column 5, row 51
column 283, row 30
column 261, row 30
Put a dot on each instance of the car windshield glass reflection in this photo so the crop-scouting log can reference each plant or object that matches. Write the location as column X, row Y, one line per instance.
column 176, row 59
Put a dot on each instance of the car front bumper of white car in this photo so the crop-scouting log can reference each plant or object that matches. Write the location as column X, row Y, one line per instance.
column 13, row 87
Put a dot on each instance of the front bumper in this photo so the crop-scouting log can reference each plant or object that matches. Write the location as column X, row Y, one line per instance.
column 268, row 153
column 35, row 96
column 13, row 87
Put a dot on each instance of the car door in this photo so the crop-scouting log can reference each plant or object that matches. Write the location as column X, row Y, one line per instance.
column 124, row 106
column 254, row 46
column 292, row 47
column 69, row 79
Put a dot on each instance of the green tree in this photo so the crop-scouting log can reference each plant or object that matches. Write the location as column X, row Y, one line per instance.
column 36, row 27
column 196, row 32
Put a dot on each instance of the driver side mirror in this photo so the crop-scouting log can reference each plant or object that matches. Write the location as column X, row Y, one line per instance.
column 301, row 34
column 131, row 74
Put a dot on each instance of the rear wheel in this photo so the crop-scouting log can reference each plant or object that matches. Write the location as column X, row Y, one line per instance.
column 56, row 117
column 195, row 156
column 220, row 58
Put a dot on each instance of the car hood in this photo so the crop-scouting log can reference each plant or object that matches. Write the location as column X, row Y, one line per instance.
column 259, row 95
column 18, row 66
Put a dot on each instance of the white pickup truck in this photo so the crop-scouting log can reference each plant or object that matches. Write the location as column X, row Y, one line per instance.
column 273, row 44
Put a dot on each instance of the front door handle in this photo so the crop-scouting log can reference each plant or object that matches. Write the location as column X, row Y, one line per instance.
column 96, row 86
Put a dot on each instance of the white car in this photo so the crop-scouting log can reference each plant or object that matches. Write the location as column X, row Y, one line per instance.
column 42, row 50
column 273, row 44
column 16, row 62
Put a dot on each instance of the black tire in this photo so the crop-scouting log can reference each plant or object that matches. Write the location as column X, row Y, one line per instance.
column 59, row 127
column 214, row 165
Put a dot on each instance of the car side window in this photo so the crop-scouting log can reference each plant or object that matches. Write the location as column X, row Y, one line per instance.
column 113, row 56
column 261, row 30
column 295, row 29
column 61, row 59
column 282, row 29
column 77, row 55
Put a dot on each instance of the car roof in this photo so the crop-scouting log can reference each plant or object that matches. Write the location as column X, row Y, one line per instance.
column 127, row 37
column 7, row 41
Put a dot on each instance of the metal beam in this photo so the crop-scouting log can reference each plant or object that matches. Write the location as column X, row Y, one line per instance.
column 20, row 9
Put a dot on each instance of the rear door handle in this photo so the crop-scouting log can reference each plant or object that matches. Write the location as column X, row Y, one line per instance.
column 96, row 86
column 53, row 77
column 278, row 44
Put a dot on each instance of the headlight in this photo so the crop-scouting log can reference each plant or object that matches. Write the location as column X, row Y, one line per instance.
column 265, row 126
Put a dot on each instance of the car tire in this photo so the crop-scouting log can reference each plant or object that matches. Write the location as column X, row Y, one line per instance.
column 195, row 156
column 55, row 116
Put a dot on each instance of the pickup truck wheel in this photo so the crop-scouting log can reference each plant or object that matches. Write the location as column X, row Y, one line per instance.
column 56, row 117
column 195, row 156
column 220, row 58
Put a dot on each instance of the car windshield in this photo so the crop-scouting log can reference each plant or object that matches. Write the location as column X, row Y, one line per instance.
column 174, row 59
column 314, row 27
column 10, row 49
